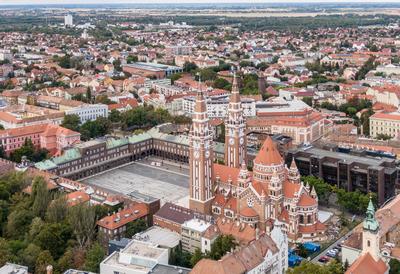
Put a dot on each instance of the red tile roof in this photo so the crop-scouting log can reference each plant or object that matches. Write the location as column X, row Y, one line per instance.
column 77, row 197
column 123, row 217
column 268, row 154
column 225, row 173
column 367, row 264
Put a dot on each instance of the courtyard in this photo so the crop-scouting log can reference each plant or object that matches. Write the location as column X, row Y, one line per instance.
column 168, row 182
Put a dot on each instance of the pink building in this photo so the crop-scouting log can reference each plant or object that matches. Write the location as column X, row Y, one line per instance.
column 54, row 138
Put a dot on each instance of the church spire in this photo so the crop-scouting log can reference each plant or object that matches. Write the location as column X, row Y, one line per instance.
column 370, row 223
column 200, row 157
column 235, row 97
column 235, row 129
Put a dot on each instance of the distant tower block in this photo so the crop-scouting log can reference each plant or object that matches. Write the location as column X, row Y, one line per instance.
column 68, row 20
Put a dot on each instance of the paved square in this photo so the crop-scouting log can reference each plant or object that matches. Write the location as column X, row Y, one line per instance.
column 169, row 186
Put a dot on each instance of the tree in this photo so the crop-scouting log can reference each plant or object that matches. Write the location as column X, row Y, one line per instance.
column 394, row 266
column 94, row 257
column 180, row 257
column 308, row 100
column 301, row 251
column 66, row 261
column 134, row 227
column 43, row 260
column 103, row 99
column 221, row 246
column 71, row 122
column 196, row 257
column 29, row 256
column 117, row 65
column 35, row 228
column 206, row 74
column 57, row 211
column 323, row 189
column 29, row 150
column 175, row 77
column 307, row 267
column 65, row 61
column 18, row 223
column 115, row 116
column 262, row 66
column 54, row 237
column 92, row 129
column 221, row 83
column 82, row 218
column 131, row 59
column 364, row 120
column 40, row 197
column 189, row 67
column 88, row 95
column 5, row 252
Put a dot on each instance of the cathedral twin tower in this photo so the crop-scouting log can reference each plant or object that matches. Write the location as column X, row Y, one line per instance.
column 201, row 156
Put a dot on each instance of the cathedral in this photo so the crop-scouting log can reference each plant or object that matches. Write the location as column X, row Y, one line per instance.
column 268, row 195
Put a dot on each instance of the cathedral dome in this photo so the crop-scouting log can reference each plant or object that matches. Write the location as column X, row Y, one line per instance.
column 268, row 154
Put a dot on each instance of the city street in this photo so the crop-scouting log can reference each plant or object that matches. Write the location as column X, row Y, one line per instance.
column 323, row 253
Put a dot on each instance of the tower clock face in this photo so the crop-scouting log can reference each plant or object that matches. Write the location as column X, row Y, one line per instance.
column 231, row 141
column 241, row 141
column 196, row 154
column 207, row 154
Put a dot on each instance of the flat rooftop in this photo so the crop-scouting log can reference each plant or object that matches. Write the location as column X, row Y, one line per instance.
column 144, row 182
column 142, row 249
column 152, row 66
column 345, row 157
column 197, row 225
column 137, row 255
column 14, row 269
column 159, row 236
column 169, row 269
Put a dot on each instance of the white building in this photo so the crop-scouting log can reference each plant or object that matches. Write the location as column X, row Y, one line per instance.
column 388, row 69
column 87, row 112
column 10, row 268
column 68, row 20
column 192, row 232
column 372, row 244
column 5, row 55
column 136, row 258
column 217, row 106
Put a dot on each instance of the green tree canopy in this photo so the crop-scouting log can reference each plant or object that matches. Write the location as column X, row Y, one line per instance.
column 94, row 257
column 71, row 122
column 134, row 227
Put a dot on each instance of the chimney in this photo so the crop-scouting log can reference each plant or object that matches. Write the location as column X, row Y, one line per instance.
column 49, row 269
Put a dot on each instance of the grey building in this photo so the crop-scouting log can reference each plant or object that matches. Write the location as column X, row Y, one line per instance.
column 347, row 171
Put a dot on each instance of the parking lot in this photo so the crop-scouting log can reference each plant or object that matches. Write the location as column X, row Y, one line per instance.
column 164, row 182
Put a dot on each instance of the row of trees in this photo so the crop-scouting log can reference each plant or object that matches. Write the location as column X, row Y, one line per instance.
column 138, row 118
column 90, row 129
column 32, row 153
column 353, row 201
column 39, row 229
column 333, row 267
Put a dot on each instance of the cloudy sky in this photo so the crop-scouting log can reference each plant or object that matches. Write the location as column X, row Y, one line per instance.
column 179, row 1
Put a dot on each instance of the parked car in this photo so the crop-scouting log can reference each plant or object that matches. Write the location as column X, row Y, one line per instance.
column 323, row 259
column 331, row 253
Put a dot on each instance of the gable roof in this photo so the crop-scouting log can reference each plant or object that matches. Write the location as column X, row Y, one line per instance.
column 367, row 264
